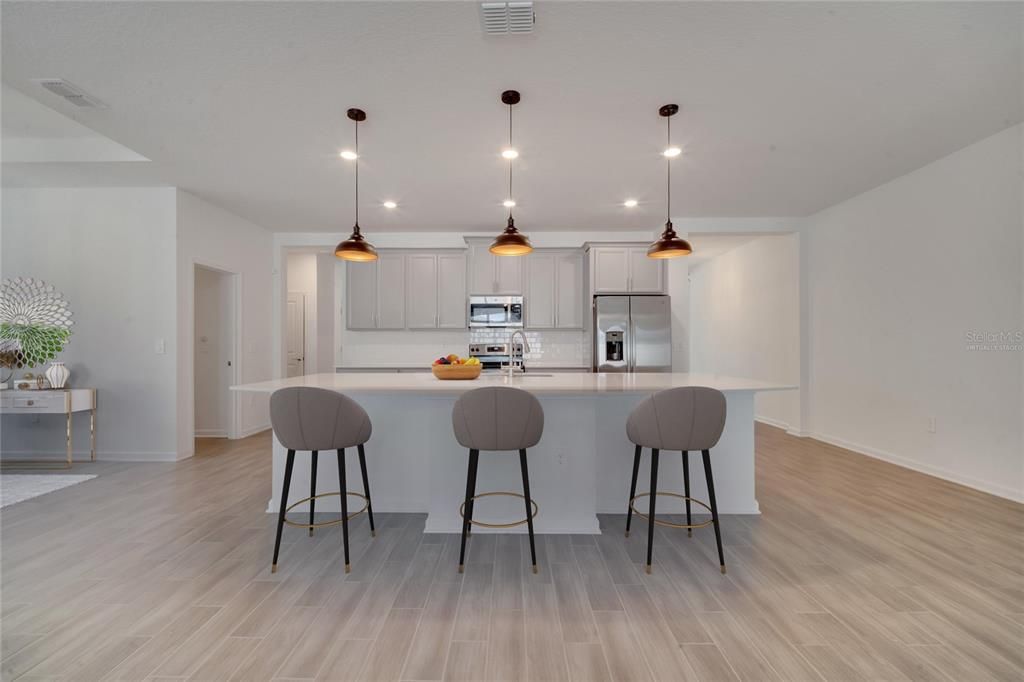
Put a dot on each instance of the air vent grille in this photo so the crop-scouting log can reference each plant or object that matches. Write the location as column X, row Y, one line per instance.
column 72, row 93
column 507, row 17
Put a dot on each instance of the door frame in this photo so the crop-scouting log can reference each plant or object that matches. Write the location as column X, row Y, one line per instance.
column 305, row 345
column 234, row 405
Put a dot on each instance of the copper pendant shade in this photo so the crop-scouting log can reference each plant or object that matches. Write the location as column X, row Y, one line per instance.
column 356, row 248
column 511, row 242
column 669, row 244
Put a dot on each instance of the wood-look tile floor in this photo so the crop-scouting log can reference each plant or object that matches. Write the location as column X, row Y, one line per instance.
column 856, row 570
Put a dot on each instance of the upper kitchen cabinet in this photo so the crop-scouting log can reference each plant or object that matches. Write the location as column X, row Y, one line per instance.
column 375, row 293
column 436, row 290
column 626, row 270
column 554, row 289
column 490, row 274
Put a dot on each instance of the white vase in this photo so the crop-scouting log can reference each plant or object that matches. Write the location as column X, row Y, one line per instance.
column 57, row 374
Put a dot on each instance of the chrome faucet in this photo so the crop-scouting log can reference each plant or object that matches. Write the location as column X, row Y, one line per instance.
column 522, row 352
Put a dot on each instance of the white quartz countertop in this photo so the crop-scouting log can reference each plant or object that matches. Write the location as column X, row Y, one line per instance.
column 552, row 383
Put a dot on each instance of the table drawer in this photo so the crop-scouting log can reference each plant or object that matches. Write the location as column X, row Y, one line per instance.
column 44, row 401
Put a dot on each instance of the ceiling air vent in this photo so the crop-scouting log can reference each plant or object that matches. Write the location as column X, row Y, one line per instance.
column 507, row 17
column 71, row 93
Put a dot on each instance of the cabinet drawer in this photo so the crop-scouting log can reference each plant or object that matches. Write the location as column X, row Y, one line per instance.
column 44, row 401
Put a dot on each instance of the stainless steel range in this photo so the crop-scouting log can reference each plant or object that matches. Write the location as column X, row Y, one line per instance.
column 495, row 355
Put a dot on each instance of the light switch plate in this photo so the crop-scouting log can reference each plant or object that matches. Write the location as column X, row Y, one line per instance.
column 160, row 347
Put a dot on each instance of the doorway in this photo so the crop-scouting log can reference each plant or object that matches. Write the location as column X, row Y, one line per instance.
column 295, row 334
column 214, row 365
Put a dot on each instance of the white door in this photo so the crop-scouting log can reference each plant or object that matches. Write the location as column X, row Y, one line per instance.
column 508, row 274
column 481, row 270
column 540, row 291
column 451, row 291
column 611, row 270
column 391, row 291
column 644, row 273
column 421, row 291
column 361, row 294
column 569, row 290
column 295, row 334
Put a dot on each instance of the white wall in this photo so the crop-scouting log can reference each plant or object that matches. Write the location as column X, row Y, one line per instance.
column 214, row 348
column 302, row 279
column 745, row 320
column 111, row 252
column 210, row 236
column 897, row 277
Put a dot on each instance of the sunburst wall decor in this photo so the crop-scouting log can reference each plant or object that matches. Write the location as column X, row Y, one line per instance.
column 35, row 322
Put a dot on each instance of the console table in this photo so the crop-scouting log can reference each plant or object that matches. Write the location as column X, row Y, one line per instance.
column 64, row 401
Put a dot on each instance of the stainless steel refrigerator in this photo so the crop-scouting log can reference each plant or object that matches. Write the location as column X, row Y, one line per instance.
column 632, row 334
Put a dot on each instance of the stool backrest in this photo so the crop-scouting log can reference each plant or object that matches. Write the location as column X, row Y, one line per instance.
column 305, row 418
column 497, row 418
column 687, row 418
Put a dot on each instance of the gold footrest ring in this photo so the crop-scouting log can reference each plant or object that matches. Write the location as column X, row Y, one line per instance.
column 669, row 524
column 366, row 503
column 462, row 511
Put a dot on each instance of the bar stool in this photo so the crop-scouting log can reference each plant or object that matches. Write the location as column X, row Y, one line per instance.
column 315, row 419
column 688, row 418
column 497, row 418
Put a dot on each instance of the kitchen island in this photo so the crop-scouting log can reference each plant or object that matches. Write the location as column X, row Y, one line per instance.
column 581, row 467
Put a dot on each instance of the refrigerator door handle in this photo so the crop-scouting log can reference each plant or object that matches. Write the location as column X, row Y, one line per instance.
column 630, row 348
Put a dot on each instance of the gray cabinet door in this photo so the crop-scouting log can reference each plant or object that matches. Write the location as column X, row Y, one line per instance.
column 611, row 270
column 540, row 291
column 508, row 274
column 451, row 291
column 361, row 294
column 481, row 270
column 569, row 290
column 421, row 291
column 390, row 291
column 645, row 274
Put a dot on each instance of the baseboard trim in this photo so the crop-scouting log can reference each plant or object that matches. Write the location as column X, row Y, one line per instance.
column 777, row 423
column 253, row 430
column 1005, row 492
column 80, row 457
column 211, row 433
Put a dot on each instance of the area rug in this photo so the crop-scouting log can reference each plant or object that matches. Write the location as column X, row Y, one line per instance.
column 16, row 488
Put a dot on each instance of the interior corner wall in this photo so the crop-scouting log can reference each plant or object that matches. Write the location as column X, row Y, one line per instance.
column 110, row 251
column 903, row 282
column 302, row 279
column 212, row 237
column 679, row 293
column 745, row 320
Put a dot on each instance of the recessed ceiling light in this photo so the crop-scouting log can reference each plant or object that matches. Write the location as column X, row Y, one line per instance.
column 629, row 203
column 390, row 204
column 672, row 152
column 508, row 203
column 509, row 153
column 349, row 155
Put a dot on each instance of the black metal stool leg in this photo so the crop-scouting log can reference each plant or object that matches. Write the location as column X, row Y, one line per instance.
column 289, row 463
column 632, row 488
column 529, row 506
column 474, row 455
column 714, row 507
column 344, row 504
column 312, row 490
column 686, row 488
column 654, row 496
column 366, row 490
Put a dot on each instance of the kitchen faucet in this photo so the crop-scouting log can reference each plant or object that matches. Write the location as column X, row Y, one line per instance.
column 522, row 352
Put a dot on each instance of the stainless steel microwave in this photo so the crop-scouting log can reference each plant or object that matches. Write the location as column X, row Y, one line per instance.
column 495, row 311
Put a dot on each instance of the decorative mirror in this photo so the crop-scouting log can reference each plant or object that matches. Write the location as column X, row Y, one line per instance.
column 35, row 323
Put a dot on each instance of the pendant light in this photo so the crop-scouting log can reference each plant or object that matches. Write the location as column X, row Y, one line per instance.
column 510, row 242
column 356, row 248
column 669, row 245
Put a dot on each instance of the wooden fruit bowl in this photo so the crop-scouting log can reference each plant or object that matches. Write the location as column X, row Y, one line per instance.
column 456, row 371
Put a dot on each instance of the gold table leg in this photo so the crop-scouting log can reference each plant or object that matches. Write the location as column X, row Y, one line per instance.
column 92, row 435
column 69, row 437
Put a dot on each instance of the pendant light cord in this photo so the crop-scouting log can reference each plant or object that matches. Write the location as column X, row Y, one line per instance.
column 668, row 171
column 510, row 160
column 357, row 174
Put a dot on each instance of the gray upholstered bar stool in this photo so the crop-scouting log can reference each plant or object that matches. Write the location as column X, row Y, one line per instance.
column 688, row 418
column 316, row 419
column 497, row 418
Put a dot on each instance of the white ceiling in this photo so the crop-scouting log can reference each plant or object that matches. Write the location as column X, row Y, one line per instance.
column 786, row 107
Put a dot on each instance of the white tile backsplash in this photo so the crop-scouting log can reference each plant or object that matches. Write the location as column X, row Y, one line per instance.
column 547, row 347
